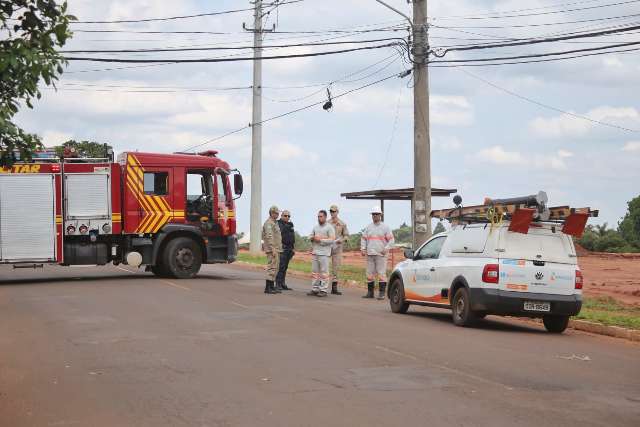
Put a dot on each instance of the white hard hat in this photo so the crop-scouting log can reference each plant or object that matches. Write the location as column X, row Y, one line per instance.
column 376, row 209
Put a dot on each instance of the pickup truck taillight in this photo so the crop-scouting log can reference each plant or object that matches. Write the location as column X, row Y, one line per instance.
column 579, row 279
column 491, row 273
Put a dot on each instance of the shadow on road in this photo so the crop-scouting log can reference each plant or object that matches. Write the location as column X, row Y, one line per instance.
column 489, row 324
column 49, row 280
column 65, row 279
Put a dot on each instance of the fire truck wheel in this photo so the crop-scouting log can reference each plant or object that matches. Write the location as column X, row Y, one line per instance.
column 182, row 258
column 159, row 270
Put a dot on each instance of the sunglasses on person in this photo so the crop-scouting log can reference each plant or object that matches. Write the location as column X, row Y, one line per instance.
column 332, row 211
column 286, row 216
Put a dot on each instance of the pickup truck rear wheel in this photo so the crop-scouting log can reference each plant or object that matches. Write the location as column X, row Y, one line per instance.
column 396, row 297
column 182, row 258
column 461, row 307
column 555, row 324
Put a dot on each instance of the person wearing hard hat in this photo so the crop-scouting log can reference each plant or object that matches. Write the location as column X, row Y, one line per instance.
column 322, row 238
column 272, row 246
column 377, row 239
column 342, row 233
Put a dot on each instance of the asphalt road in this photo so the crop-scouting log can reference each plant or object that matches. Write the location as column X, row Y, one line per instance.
column 107, row 346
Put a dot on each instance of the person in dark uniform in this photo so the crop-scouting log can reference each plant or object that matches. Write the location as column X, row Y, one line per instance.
column 288, row 243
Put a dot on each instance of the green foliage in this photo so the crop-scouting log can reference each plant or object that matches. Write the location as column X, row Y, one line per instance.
column 87, row 149
column 28, row 55
column 439, row 228
column 404, row 234
column 629, row 227
column 302, row 243
column 600, row 238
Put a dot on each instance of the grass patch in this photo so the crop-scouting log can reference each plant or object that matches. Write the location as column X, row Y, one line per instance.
column 608, row 311
column 347, row 272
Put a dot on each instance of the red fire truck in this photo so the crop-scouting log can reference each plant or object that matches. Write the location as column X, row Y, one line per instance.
column 169, row 212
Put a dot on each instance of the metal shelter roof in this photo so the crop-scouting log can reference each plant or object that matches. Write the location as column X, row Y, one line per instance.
column 398, row 194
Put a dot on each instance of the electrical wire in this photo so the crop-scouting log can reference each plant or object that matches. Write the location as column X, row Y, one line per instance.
column 297, row 110
column 189, row 49
column 212, row 60
column 391, row 139
column 538, row 55
column 538, row 41
column 344, row 79
column 536, row 60
column 549, row 12
column 549, row 107
column 171, row 18
column 498, row 12
column 543, row 24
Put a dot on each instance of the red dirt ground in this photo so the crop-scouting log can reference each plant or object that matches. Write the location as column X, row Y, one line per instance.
column 605, row 274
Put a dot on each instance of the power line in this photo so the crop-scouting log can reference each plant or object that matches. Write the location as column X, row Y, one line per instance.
column 538, row 55
column 543, row 24
column 198, row 15
column 542, row 40
column 519, row 10
column 210, row 60
column 549, row 107
column 393, row 134
column 536, row 60
column 547, row 13
column 189, row 49
column 297, row 110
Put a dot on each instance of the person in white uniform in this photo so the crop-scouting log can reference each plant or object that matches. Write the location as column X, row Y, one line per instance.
column 376, row 242
column 322, row 237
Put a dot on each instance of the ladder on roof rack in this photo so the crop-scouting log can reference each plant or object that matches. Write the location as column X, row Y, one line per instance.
column 520, row 212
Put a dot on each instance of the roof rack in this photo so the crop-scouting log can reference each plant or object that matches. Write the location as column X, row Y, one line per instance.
column 520, row 212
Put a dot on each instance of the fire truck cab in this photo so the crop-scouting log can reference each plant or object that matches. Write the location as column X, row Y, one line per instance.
column 169, row 212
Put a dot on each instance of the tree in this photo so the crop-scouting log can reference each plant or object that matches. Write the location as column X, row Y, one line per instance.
column 28, row 55
column 439, row 228
column 88, row 149
column 404, row 234
column 630, row 225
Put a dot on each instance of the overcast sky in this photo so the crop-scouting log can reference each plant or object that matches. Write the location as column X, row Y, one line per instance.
column 485, row 142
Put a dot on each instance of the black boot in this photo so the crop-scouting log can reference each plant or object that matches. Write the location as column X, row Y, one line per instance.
column 369, row 290
column 285, row 287
column 268, row 288
column 334, row 289
column 279, row 287
column 381, row 292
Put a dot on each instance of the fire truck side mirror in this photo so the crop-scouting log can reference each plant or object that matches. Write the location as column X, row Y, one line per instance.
column 238, row 184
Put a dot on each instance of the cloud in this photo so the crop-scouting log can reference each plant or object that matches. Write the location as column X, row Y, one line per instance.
column 632, row 146
column 566, row 126
column 447, row 144
column 288, row 151
column 499, row 156
column 451, row 110
column 51, row 138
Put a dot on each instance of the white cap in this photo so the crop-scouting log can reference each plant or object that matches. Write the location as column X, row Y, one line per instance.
column 376, row 209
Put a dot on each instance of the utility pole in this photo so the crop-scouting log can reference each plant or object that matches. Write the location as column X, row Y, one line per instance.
column 256, row 135
column 421, row 201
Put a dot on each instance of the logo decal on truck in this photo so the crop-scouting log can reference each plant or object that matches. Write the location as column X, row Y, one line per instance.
column 539, row 275
column 157, row 210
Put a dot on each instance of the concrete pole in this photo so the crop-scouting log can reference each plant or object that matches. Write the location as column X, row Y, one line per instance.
column 256, row 136
column 421, row 204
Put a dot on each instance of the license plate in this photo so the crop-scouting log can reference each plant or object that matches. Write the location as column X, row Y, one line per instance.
column 537, row 306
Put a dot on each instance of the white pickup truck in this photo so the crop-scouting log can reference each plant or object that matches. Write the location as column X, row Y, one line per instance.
column 480, row 269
